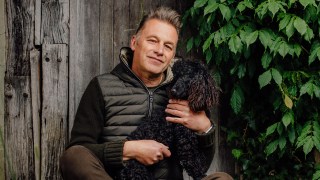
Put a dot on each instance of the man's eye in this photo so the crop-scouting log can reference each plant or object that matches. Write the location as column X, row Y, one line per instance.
column 168, row 47
column 152, row 40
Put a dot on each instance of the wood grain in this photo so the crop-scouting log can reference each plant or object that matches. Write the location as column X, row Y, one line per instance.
column 54, row 22
column 54, row 108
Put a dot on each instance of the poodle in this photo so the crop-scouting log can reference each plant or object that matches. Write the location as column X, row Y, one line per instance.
column 191, row 82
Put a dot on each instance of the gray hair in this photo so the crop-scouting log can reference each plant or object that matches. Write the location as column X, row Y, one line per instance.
column 162, row 13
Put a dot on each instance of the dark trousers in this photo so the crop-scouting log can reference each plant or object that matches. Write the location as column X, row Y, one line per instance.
column 79, row 163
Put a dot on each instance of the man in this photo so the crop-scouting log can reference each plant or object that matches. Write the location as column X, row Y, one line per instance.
column 114, row 104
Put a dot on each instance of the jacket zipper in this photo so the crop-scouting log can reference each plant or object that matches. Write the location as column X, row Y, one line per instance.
column 146, row 88
column 150, row 103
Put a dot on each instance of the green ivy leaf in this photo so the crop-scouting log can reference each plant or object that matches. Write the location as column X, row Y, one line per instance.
column 304, row 134
column 199, row 3
column 284, row 22
column 276, row 76
column 288, row 118
column 273, row 7
column 225, row 11
column 316, row 175
column 316, row 91
column 264, row 78
column 300, row 25
column 265, row 36
column 237, row 153
column 197, row 41
column 237, row 100
column 315, row 52
column 251, row 38
column 262, row 9
column 266, row 60
column 235, row 44
column 208, row 55
column 309, row 34
column 292, row 135
column 211, row 7
column 316, row 128
column 290, row 28
column 242, row 71
column 307, row 88
column 241, row 6
column 271, row 129
column 297, row 49
column 189, row 44
column 271, row 147
column 283, row 49
column 288, row 102
column 207, row 43
column 280, row 128
column 282, row 142
column 308, row 145
column 305, row 3
column 316, row 142
column 248, row 4
column 276, row 45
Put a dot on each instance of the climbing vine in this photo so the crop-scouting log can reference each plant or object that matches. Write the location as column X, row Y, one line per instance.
column 266, row 54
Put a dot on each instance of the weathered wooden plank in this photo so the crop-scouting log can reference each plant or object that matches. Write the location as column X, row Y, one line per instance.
column 2, row 70
column 18, row 129
column 19, row 163
column 37, row 23
column 106, row 36
column 54, row 108
column 121, row 27
column 84, row 49
column 55, row 22
column 135, row 15
column 35, row 101
column 20, row 34
column 169, row 3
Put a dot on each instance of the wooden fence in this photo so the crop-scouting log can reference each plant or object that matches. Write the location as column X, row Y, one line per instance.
column 52, row 50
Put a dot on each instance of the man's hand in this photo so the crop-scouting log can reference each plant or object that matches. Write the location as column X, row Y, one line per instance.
column 182, row 114
column 147, row 152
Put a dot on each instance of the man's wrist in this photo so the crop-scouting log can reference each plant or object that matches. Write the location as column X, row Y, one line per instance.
column 207, row 130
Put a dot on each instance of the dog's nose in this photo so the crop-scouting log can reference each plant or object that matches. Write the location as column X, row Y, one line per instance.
column 173, row 91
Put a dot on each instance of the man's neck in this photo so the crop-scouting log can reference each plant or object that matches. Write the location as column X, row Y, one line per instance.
column 153, row 81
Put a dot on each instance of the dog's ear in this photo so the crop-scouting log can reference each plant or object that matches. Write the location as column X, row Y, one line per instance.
column 212, row 91
column 197, row 93
column 203, row 92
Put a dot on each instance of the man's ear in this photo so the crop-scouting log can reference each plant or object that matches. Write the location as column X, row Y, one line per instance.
column 133, row 42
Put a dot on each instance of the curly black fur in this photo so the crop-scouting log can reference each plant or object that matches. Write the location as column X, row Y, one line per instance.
column 192, row 82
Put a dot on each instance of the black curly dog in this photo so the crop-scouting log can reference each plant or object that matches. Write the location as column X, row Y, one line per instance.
column 191, row 82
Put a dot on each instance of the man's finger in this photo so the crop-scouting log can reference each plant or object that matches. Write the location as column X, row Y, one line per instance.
column 166, row 152
column 178, row 101
column 174, row 112
column 174, row 120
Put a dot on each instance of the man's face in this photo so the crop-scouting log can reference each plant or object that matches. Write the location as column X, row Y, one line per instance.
column 154, row 48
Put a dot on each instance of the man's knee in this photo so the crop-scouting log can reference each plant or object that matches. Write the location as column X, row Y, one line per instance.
column 78, row 161
column 74, row 157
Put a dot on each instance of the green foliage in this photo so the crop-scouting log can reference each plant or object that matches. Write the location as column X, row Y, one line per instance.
column 267, row 55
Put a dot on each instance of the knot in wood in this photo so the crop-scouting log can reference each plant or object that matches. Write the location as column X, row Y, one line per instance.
column 25, row 94
column 8, row 91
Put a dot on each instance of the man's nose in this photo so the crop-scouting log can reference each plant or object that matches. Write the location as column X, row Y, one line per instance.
column 159, row 49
